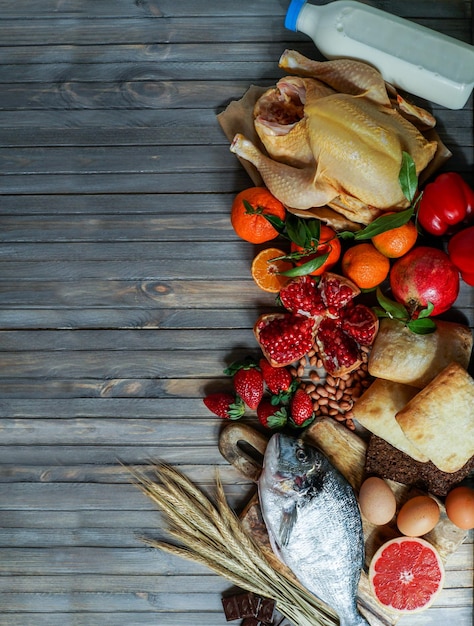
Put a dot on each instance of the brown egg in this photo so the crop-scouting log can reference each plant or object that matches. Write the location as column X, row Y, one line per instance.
column 376, row 500
column 460, row 507
column 418, row 516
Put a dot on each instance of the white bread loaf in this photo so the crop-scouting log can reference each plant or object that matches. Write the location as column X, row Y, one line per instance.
column 439, row 420
column 402, row 356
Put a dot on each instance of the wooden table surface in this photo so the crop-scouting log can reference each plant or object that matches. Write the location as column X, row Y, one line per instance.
column 124, row 291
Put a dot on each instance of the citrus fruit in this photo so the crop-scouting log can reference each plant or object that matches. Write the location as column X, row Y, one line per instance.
column 396, row 242
column 328, row 244
column 248, row 214
column 266, row 268
column 406, row 574
column 365, row 265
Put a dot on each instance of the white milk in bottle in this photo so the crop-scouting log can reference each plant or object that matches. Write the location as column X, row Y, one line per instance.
column 416, row 59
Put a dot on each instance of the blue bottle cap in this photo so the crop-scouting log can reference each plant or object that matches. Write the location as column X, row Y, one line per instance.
column 293, row 13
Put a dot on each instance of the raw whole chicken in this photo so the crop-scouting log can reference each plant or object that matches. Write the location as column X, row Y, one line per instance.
column 334, row 136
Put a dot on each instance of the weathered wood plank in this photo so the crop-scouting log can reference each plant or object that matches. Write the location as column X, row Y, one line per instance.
column 79, row 496
column 17, row 388
column 185, row 52
column 189, row 29
column 155, row 430
column 153, row 294
column 110, row 365
column 174, row 226
column 121, row 340
column 233, row 248
column 152, row 601
column 111, row 619
column 232, row 181
column 131, row 94
column 142, row 295
column 121, row 160
column 167, row 8
column 141, row 205
column 90, row 455
column 65, row 318
column 115, row 473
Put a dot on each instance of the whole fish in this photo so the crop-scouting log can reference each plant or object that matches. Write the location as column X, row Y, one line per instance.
column 314, row 523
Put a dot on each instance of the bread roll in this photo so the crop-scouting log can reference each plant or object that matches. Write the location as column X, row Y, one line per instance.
column 402, row 356
column 439, row 420
column 376, row 410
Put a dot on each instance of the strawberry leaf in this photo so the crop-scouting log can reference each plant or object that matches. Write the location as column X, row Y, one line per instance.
column 245, row 363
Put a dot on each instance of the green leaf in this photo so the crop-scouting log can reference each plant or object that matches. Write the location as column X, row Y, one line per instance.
column 379, row 312
column 407, row 177
column 393, row 309
column 422, row 326
column 277, row 223
column 347, row 234
column 384, row 223
column 306, row 268
column 245, row 363
column 314, row 230
column 426, row 312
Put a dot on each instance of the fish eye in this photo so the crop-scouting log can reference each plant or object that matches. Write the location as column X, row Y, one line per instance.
column 301, row 455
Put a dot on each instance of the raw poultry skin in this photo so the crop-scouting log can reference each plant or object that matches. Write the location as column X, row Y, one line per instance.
column 337, row 142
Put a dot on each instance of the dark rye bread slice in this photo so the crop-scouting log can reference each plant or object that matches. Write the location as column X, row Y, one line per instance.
column 385, row 461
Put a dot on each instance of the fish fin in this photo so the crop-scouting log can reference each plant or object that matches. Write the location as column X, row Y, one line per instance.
column 287, row 522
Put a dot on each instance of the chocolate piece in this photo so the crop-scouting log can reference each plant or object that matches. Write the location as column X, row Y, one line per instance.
column 265, row 610
column 240, row 605
column 386, row 461
column 253, row 621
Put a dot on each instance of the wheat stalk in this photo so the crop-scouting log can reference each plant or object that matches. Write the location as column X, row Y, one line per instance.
column 212, row 535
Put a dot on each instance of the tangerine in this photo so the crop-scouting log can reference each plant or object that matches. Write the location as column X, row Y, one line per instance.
column 396, row 242
column 328, row 244
column 365, row 265
column 266, row 268
column 248, row 214
column 406, row 574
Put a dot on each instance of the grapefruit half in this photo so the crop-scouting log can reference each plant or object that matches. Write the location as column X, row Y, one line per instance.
column 406, row 574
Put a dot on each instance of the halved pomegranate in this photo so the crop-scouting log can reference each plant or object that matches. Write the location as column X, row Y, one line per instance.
column 337, row 291
column 339, row 351
column 284, row 337
column 361, row 323
column 334, row 322
column 302, row 295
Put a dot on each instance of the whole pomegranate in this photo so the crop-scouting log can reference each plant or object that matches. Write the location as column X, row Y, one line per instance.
column 425, row 275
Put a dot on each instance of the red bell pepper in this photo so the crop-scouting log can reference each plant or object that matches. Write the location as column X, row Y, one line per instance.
column 446, row 202
column 461, row 253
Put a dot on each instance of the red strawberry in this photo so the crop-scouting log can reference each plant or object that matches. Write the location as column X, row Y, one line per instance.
column 248, row 384
column 278, row 380
column 301, row 408
column 248, row 381
column 271, row 416
column 225, row 405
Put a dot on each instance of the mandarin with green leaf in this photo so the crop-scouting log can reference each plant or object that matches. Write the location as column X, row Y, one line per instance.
column 249, row 213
